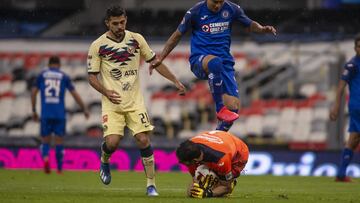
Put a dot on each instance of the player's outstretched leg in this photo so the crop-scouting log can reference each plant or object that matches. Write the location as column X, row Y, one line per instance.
column 215, row 80
column 105, row 174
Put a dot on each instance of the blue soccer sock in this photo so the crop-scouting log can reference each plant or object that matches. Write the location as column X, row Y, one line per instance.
column 346, row 157
column 215, row 81
column 44, row 149
column 223, row 125
column 59, row 152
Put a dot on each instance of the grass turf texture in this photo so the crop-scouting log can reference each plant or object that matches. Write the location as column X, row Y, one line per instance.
column 35, row 186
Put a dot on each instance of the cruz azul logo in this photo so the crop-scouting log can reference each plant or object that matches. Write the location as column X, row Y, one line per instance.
column 214, row 28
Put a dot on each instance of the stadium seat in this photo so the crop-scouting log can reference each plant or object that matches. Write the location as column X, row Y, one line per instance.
column 158, row 108
column 239, row 128
column 321, row 113
column 270, row 124
column 308, row 89
column 301, row 132
column 31, row 129
column 318, row 137
column 78, row 124
column 5, row 86
column 18, row 87
column 185, row 134
column 174, row 112
column 285, row 131
column 22, row 105
column 254, row 125
column 16, row 132
column 305, row 115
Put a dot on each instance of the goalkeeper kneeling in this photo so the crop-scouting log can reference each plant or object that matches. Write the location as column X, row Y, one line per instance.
column 224, row 155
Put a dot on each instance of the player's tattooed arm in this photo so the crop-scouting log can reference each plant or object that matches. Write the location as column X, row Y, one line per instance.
column 169, row 46
column 112, row 95
column 256, row 27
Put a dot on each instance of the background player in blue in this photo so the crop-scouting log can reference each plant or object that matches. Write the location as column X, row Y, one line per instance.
column 52, row 84
column 350, row 76
column 211, row 22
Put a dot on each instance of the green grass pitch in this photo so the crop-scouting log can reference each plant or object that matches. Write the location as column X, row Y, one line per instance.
column 129, row 187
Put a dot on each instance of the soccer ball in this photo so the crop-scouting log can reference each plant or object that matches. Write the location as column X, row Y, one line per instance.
column 202, row 171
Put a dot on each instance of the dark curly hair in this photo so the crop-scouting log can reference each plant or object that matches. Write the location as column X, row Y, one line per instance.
column 187, row 151
column 114, row 11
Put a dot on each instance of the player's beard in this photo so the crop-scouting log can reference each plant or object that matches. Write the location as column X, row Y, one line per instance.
column 119, row 35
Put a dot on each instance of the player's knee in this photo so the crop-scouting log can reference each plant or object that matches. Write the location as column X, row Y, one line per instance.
column 215, row 65
column 143, row 140
column 109, row 147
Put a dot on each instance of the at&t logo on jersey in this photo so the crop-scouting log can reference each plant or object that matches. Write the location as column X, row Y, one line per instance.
column 117, row 74
column 214, row 28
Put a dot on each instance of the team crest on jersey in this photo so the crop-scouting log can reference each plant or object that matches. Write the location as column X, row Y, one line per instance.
column 225, row 14
column 205, row 28
column 120, row 55
column 131, row 49
column 105, row 118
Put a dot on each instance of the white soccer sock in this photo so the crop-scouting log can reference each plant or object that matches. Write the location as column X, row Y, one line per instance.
column 149, row 168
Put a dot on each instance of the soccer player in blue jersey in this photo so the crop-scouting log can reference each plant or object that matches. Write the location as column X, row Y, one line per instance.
column 211, row 22
column 52, row 84
column 350, row 76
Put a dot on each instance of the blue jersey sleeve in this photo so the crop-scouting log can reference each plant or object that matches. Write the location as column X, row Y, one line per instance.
column 348, row 72
column 186, row 22
column 240, row 16
column 68, row 84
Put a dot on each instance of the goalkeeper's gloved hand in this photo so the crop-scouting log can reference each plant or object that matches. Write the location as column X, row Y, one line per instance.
column 198, row 192
column 207, row 181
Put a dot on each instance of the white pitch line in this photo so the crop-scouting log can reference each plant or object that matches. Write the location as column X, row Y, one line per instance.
column 141, row 189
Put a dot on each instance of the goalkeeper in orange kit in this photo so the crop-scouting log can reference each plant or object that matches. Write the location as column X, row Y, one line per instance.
column 221, row 152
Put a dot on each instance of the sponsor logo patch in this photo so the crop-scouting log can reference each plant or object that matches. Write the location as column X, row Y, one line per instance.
column 105, row 118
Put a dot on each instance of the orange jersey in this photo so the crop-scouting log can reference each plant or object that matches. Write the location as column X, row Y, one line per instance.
column 224, row 153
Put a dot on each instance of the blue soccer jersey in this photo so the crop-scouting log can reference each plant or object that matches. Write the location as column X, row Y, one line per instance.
column 211, row 32
column 351, row 75
column 52, row 84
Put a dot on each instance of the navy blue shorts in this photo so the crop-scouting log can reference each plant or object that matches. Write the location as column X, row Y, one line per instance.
column 229, row 82
column 50, row 126
column 354, row 124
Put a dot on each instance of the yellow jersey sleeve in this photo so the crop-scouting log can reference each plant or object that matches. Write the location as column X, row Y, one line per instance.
column 93, row 59
column 145, row 50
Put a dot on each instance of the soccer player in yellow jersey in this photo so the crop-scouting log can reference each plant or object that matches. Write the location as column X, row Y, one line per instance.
column 115, row 57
